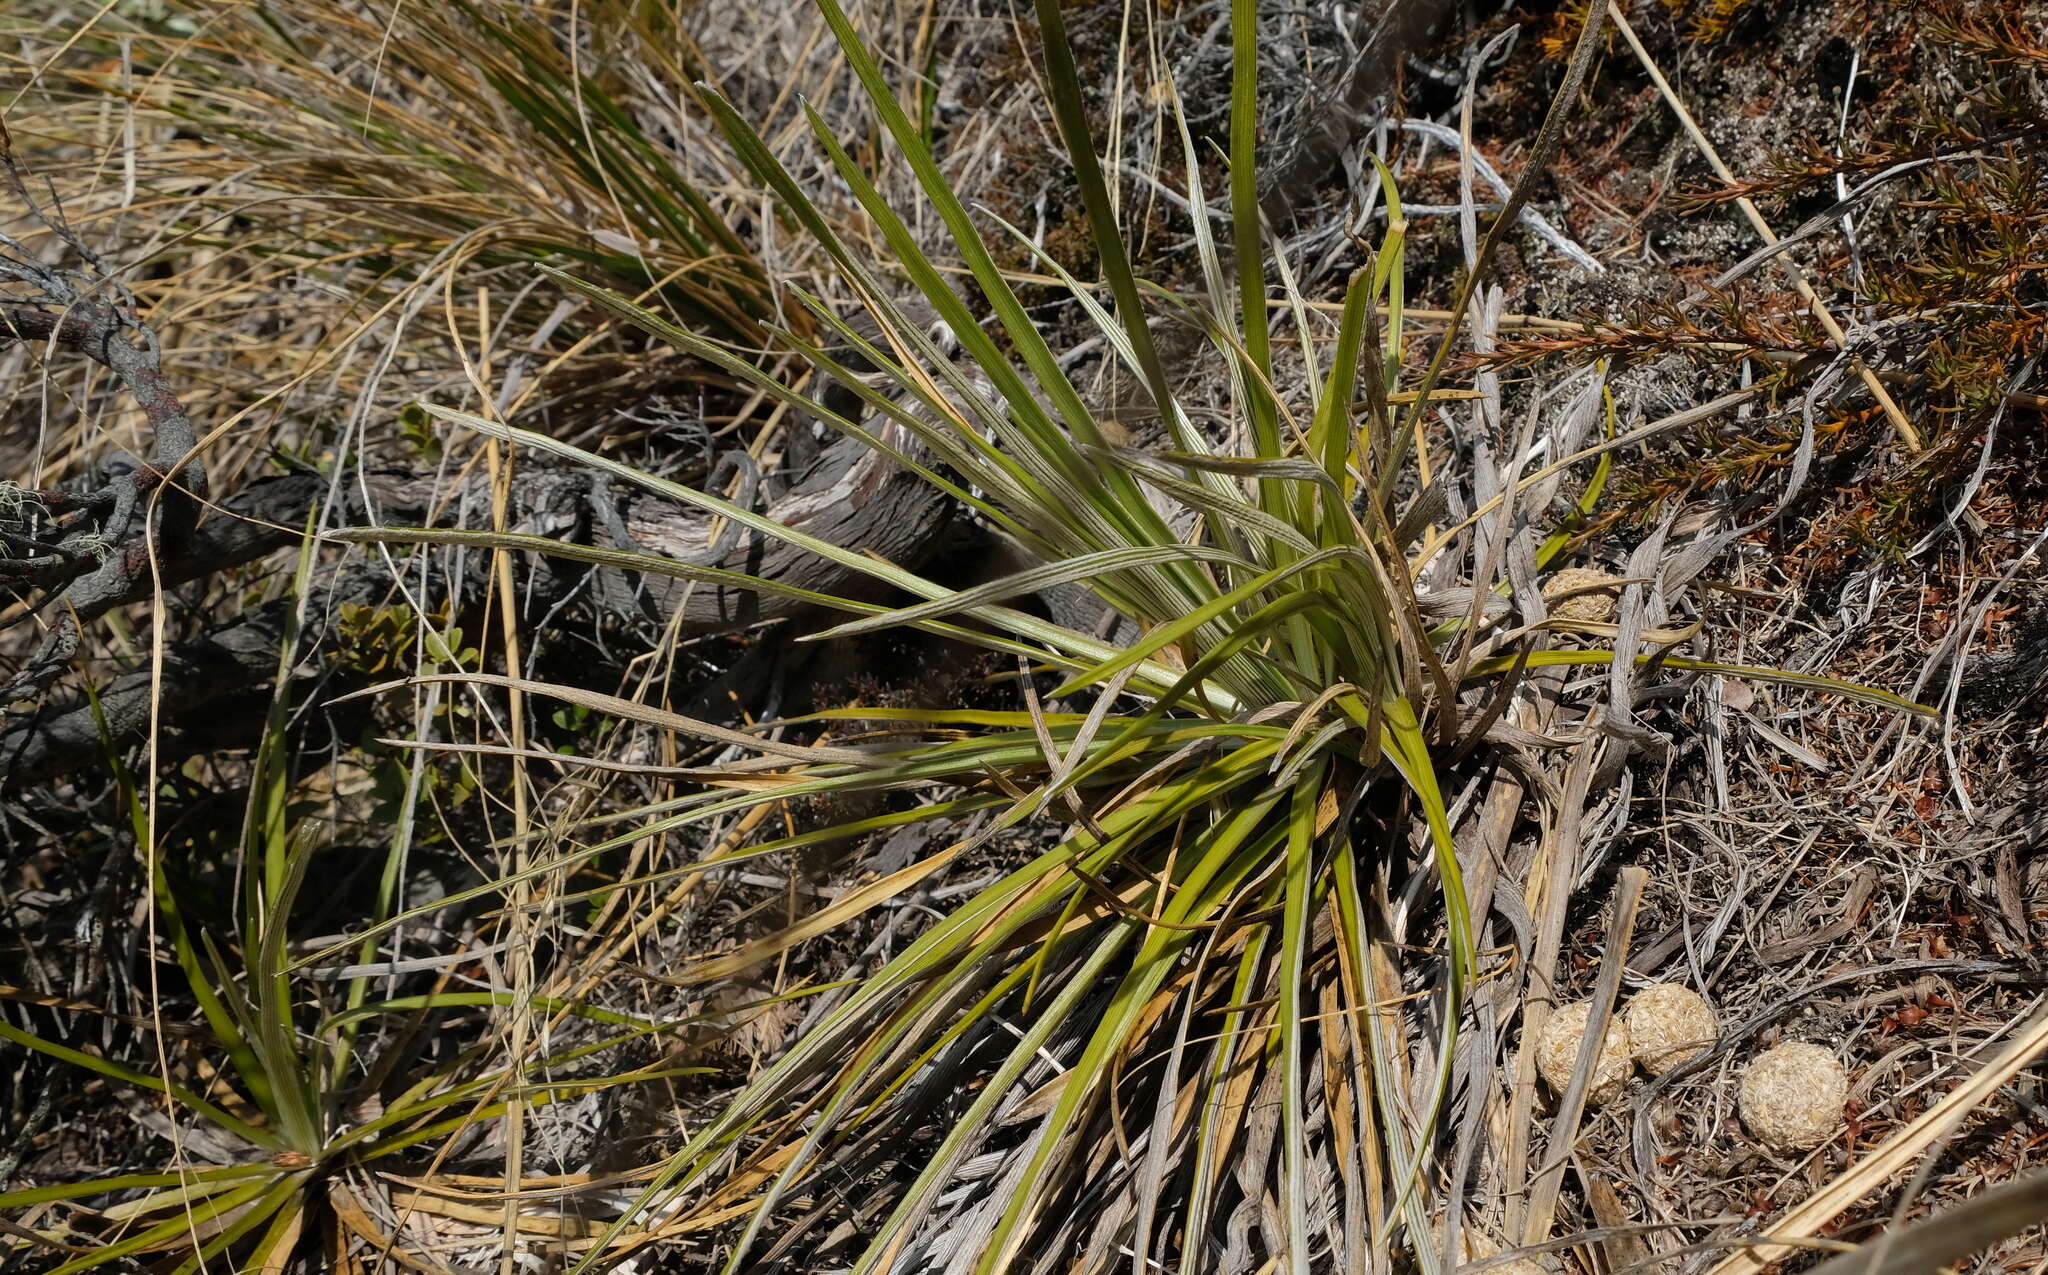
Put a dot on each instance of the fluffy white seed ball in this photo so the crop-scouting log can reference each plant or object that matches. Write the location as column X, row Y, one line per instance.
column 1793, row 1096
column 1557, row 1051
column 1667, row 1025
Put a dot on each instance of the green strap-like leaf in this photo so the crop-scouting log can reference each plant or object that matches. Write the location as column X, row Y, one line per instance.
column 1782, row 677
column 115, row 1071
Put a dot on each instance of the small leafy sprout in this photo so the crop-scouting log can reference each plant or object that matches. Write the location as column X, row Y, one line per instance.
column 416, row 430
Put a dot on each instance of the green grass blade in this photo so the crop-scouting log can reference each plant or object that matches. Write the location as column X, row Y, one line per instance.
column 1247, row 228
column 167, row 1233
column 1188, row 625
column 1084, row 569
column 945, row 1157
column 1063, row 82
column 1780, row 677
column 204, row 1181
column 1306, row 796
column 128, row 1076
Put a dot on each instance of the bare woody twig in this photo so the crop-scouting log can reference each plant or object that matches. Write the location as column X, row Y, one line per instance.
column 95, row 560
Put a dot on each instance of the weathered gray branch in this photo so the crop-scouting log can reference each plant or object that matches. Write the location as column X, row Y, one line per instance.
column 1385, row 32
column 849, row 496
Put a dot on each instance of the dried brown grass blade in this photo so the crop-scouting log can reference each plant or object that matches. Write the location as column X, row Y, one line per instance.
column 1947, row 1238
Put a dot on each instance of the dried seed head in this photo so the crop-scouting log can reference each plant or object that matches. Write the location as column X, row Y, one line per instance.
column 1667, row 1025
column 1581, row 593
column 1479, row 1245
column 1793, row 1096
column 1557, row 1051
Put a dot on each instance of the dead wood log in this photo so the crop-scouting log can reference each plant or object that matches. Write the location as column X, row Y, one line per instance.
column 849, row 496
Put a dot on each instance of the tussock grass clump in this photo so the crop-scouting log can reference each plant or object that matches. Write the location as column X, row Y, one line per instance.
column 1221, row 998
column 347, row 199
column 1184, row 1005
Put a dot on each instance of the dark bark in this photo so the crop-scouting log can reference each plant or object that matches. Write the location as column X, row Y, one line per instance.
column 99, row 553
